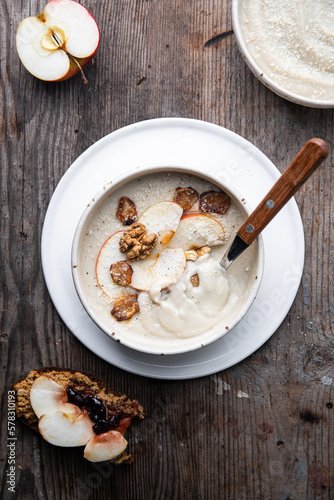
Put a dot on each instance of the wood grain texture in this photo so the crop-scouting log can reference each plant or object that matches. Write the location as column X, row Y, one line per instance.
column 200, row 441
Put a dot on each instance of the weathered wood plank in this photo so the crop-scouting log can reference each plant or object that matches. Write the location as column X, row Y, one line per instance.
column 200, row 441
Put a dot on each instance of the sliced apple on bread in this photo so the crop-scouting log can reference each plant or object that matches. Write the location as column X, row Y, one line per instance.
column 72, row 409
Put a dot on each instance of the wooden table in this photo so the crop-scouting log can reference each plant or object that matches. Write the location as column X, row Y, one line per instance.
column 160, row 59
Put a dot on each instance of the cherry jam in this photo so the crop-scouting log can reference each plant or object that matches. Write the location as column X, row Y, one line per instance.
column 96, row 410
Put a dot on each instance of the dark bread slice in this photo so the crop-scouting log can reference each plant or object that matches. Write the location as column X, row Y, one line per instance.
column 83, row 383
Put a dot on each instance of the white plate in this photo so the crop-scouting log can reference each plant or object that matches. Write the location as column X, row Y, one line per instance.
column 181, row 142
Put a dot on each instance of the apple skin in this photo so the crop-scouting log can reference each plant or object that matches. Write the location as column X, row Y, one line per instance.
column 74, row 68
column 105, row 447
column 75, row 63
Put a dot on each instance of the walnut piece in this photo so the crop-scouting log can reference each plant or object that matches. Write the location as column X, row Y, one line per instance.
column 121, row 273
column 216, row 202
column 136, row 243
column 193, row 255
column 125, row 308
column 194, row 280
column 202, row 251
column 126, row 211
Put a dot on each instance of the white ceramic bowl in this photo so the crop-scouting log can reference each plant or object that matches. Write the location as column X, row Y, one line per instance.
column 161, row 346
column 262, row 77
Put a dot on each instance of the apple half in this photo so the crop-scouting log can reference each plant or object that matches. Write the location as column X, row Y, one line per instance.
column 59, row 42
column 196, row 231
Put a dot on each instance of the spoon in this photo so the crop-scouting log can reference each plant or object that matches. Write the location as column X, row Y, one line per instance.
column 302, row 167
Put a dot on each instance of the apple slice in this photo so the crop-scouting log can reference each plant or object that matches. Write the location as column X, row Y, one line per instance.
column 110, row 254
column 59, row 42
column 106, row 446
column 61, row 429
column 161, row 216
column 167, row 266
column 161, row 263
column 46, row 396
column 161, row 219
column 197, row 230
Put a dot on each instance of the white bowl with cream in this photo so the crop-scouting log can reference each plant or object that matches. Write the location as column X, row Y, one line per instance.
column 185, row 318
column 289, row 47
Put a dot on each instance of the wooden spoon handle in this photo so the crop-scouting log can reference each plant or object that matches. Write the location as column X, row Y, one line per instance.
column 302, row 167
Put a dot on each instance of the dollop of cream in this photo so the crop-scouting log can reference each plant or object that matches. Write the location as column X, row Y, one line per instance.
column 292, row 42
column 186, row 310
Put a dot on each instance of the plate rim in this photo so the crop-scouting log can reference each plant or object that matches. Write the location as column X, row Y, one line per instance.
column 72, row 170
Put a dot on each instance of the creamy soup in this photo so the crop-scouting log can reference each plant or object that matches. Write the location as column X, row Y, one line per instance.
column 179, row 290
column 293, row 43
